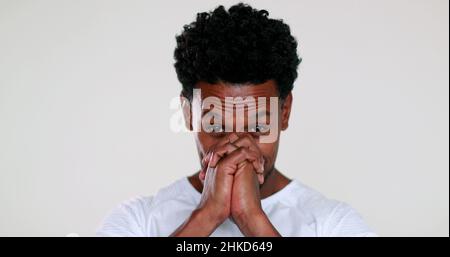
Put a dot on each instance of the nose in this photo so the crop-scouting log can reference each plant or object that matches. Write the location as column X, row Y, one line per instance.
column 246, row 134
column 242, row 134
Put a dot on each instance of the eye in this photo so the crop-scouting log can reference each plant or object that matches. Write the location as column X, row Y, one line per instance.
column 215, row 129
column 260, row 128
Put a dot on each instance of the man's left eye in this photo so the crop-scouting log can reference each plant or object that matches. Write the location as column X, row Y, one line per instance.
column 216, row 128
column 260, row 128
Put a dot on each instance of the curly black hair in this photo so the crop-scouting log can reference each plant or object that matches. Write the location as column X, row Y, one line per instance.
column 241, row 45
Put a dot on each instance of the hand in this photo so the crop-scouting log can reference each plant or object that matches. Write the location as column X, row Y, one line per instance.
column 245, row 197
column 232, row 156
column 215, row 203
column 231, row 143
column 219, row 168
column 246, row 210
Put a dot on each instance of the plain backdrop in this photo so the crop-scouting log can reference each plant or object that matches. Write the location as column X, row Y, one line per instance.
column 85, row 88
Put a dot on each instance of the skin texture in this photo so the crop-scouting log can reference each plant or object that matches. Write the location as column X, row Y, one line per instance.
column 237, row 170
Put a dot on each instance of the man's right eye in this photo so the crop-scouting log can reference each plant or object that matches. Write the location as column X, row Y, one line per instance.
column 260, row 128
column 215, row 129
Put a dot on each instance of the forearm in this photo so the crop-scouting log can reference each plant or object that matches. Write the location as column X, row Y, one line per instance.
column 257, row 225
column 199, row 224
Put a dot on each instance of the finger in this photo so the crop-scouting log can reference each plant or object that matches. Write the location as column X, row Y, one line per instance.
column 260, row 176
column 257, row 164
column 202, row 173
column 230, row 138
column 227, row 149
column 261, row 179
column 205, row 159
column 233, row 137
column 248, row 141
column 238, row 156
column 220, row 152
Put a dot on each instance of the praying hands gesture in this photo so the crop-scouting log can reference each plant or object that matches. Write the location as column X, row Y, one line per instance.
column 231, row 174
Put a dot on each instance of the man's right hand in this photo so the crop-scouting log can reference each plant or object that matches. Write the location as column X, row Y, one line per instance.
column 220, row 166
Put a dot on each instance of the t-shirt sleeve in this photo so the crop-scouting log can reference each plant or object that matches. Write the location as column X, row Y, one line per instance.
column 344, row 221
column 126, row 220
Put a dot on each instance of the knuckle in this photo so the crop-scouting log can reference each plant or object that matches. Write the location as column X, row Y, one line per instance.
column 231, row 146
column 244, row 150
column 245, row 139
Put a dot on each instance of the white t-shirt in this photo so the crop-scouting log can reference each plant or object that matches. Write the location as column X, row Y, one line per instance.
column 296, row 210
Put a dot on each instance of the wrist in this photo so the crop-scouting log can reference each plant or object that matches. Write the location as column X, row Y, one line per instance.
column 210, row 216
column 198, row 224
column 256, row 224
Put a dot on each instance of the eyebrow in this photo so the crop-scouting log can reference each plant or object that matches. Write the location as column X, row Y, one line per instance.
column 262, row 113
column 259, row 114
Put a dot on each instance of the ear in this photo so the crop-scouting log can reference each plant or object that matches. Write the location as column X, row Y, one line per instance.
column 286, row 111
column 187, row 113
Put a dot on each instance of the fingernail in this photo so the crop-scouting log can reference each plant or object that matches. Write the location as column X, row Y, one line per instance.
column 204, row 157
column 261, row 179
column 209, row 157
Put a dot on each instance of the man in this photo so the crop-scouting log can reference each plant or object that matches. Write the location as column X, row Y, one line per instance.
column 243, row 55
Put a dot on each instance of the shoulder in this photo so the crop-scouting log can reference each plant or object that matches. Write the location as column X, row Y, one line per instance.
column 328, row 216
column 132, row 217
column 127, row 218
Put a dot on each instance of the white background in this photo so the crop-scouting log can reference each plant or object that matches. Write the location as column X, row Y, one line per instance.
column 85, row 88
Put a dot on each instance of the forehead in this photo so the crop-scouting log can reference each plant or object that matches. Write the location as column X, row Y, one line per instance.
column 222, row 90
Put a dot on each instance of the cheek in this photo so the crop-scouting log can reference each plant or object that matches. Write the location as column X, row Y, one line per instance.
column 269, row 152
column 204, row 142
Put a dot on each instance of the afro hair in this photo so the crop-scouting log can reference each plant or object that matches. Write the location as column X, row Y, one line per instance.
column 241, row 45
